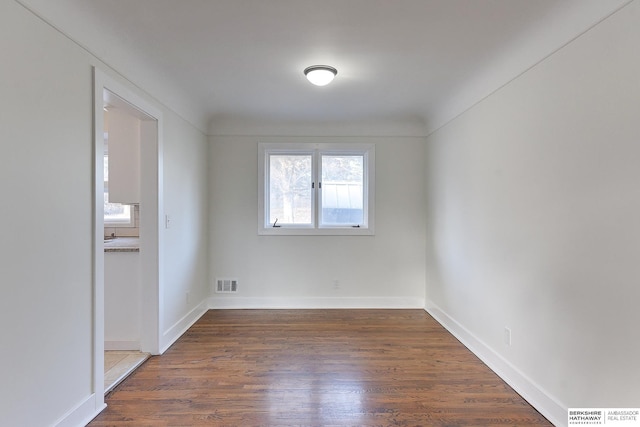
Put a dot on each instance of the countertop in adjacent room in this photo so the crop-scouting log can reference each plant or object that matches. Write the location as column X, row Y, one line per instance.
column 122, row 244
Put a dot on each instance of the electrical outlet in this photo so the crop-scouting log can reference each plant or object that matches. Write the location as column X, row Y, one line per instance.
column 167, row 221
column 507, row 336
column 336, row 285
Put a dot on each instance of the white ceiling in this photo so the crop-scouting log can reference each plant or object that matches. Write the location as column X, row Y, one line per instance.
column 398, row 60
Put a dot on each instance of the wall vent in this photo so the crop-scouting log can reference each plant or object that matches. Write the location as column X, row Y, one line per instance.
column 226, row 286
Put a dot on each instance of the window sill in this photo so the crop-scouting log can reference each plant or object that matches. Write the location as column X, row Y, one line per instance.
column 283, row 231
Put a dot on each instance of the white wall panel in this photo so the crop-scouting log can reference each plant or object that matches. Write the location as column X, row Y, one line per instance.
column 46, row 173
column 533, row 209
column 386, row 269
column 45, row 255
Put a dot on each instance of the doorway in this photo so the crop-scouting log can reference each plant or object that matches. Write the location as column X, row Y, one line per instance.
column 109, row 92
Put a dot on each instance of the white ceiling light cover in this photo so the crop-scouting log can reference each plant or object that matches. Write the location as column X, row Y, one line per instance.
column 320, row 75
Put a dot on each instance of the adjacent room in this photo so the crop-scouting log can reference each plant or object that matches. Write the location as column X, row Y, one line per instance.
column 444, row 229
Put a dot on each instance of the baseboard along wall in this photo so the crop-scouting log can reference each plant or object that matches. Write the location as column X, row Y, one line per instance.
column 315, row 303
column 540, row 399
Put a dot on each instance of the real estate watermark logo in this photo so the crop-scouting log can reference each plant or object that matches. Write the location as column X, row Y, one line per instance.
column 626, row 417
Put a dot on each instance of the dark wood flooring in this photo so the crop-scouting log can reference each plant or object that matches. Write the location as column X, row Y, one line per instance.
column 316, row 368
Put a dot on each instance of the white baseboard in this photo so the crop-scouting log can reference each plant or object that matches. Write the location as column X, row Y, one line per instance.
column 122, row 345
column 82, row 414
column 172, row 334
column 314, row 303
column 545, row 403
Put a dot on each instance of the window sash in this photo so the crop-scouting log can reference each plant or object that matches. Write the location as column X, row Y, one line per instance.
column 341, row 193
column 288, row 184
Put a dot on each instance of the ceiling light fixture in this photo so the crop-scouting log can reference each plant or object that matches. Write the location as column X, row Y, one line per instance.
column 320, row 75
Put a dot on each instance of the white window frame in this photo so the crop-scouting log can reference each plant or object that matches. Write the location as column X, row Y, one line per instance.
column 317, row 149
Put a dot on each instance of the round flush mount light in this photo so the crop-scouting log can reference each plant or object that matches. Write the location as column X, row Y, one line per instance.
column 320, row 75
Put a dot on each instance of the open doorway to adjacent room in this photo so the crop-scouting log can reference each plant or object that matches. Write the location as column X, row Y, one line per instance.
column 127, row 250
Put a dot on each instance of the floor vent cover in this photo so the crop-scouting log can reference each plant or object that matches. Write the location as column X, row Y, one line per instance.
column 226, row 286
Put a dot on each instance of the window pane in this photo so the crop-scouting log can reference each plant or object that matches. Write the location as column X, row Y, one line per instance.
column 290, row 189
column 342, row 189
column 115, row 213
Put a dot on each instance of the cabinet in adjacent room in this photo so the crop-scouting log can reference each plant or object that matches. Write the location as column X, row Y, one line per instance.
column 123, row 141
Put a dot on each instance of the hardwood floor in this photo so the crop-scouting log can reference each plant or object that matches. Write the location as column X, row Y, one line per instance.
column 316, row 368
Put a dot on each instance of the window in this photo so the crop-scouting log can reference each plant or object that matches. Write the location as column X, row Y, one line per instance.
column 309, row 189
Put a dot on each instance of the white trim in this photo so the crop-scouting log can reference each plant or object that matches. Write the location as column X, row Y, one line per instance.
column 264, row 153
column 308, row 231
column 150, row 232
column 83, row 413
column 375, row 128
column 181, row 326
column 316, row 150
column 539, row 398
column 98, row 241
column 122, row 345
column 315, row 303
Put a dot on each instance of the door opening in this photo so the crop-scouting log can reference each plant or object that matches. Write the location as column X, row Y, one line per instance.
column 147, row 307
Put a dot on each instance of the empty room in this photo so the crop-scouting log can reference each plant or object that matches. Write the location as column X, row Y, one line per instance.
column 338, row 213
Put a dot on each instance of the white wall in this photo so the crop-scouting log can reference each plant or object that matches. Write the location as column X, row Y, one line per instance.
column 104, row 40
column 186, row 255
column 46, row 252
column 45, row 182
column 385, row 270
column 534, row 220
